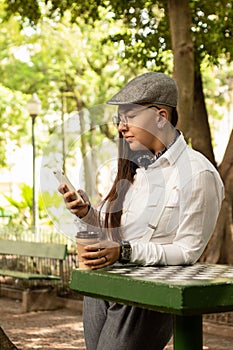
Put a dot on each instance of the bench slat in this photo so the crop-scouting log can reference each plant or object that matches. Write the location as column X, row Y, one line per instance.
column 35, row 249
column 27, row 276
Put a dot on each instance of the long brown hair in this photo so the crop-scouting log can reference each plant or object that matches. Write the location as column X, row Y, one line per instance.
column 115, row 197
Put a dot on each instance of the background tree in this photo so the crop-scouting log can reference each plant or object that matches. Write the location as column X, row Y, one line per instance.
column 70, row 69
column 146, row 35
column 183, row 53
column 144, row 42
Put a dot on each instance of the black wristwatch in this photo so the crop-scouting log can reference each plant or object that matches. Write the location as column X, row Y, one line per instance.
column 125, row 252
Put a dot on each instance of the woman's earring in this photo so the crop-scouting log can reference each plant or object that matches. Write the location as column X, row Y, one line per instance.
column 160, row 126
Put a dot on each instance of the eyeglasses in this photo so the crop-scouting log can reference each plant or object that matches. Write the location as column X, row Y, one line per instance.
column 124, row 120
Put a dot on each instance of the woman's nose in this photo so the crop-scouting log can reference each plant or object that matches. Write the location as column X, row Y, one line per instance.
column 122, row 126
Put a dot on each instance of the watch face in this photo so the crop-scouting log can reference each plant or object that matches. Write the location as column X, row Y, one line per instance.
column 125, row 252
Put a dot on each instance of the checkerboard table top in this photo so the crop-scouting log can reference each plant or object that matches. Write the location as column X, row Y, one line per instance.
column 197, row 272
column 196, row 289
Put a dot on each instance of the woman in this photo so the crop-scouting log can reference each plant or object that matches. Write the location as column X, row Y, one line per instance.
column 161, row 210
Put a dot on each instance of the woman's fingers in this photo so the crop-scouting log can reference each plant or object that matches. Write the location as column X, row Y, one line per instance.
column 74, row 204
column 101, row 254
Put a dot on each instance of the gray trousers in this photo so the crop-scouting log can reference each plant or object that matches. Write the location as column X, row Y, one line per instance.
column 111, row 326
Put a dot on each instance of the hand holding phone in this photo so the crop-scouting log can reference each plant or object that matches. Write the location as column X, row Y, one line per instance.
column 62, row 178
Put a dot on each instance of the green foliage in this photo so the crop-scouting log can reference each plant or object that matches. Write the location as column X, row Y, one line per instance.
column 57, row 60
column 21, row 210
column 79, row 53
column 11, row 113
column 145, row 33
column 212, row 30
column 24, row 8
column 218, row 87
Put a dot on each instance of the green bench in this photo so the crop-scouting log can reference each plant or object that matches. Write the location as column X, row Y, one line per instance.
column 38, row 266
column 10, row 249
column 187, row 292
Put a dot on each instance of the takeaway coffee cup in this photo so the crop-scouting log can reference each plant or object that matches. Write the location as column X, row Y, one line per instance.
column 83, row 239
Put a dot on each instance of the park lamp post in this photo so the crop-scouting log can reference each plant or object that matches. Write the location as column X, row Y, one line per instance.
column 33, row 108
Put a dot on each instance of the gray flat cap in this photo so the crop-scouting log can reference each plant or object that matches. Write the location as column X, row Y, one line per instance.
column 149, row 87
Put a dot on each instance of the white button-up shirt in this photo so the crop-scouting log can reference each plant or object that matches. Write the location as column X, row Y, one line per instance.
column 171, row 209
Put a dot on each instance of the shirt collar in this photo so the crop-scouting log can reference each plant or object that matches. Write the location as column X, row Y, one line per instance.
column 172, row 154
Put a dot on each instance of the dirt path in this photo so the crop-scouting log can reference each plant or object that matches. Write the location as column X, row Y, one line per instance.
column 60, row 329
column 63, row 329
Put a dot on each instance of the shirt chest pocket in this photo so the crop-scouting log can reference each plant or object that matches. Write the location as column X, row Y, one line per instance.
column 173, row 198
column 165, row 216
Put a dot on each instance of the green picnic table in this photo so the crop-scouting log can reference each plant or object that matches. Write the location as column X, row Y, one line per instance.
column 187, row 292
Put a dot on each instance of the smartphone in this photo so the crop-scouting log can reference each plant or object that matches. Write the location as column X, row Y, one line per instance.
column 62, row 178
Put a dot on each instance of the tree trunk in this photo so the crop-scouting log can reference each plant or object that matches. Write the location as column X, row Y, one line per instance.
column 200, row 134
column 86, row 147
column 183, row 51
column 86, row 151
column 5, row 343
column 220, row 247
column 91, row 163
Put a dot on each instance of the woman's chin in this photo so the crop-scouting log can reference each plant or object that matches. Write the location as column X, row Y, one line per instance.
column 135, row 146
